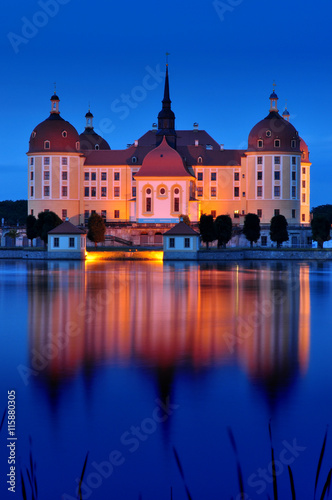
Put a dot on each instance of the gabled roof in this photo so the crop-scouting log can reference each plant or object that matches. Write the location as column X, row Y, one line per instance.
column 181, row 229
column 66, row 228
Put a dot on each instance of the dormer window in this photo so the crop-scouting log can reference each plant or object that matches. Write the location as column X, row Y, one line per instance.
column 293, row 143
column 64, row 133
column 277, row 143
column 199, row 159
column 134, row 159
column 78, row 145
column 47, row 144
column 268, row 133
column 209, row 146
column 260, row 143
column 97, row 147
column 33, row 135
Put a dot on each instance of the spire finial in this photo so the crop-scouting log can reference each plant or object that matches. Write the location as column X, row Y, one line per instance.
column 54, row 87
column 274, row 85
column 167, row 54
column 286, row 105
column 89, row 106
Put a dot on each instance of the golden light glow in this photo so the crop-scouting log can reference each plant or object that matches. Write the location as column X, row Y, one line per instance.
column 153, row 255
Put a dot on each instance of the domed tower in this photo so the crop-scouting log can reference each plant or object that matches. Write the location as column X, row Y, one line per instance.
column 54, row 166
column 166, row 118
column 274, row 167
column 89, row 139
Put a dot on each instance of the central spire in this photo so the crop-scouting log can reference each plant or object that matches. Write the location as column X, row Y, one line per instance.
column 166, row 117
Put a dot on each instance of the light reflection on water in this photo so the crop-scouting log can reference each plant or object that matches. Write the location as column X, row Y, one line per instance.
column 229, row 343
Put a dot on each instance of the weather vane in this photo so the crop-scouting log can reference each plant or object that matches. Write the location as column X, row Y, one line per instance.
column 274, row 85
column 54, row 87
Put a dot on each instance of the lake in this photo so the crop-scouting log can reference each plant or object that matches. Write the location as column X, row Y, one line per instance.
column 126, row 360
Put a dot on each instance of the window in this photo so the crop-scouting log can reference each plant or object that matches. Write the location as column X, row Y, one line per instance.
column 116, row 214
column 276, row 211
column 236, row 192
column 103, row 191
column 277, row 160
column 293, row 213
column 260, row 175
column 199, row 176
column 47, row 175
column 213, row 192
column 47, row 145
column 303, row 217
column 46, row 160
column 293, row 191
column 199, row 159
column 213, row 213
column 213, row 176
column 31, row 191
column 134, row 159
column 303, row 170
column 93, row 176
column 86, row 191
column 71, row 242
column 116, row 192
column 259, row 143
column 116, row 176
column 259, row 160
column 277, row 175
column 293, row 160
column 64, row 162
column 176, row 204
column 64, row 191
column 259, row 191
column 31, row 176
column 86, row 216
column 172, row 243
column 133, row 192
column 86, row 176
column 236, row 176
column 148, row 204
column 293, row 143
column 162, row 191
column 276, row 190
column 97, row 147
column 31, row 211
column 187, row 243
column 64, row 214
column 31, row 161
column 243, row 193
column 264, row 241
column 104, row 176
column 236, row 214
column 268, row 133
column 200, row 191
column 64, row 133
column 277, row 143
column 303, row 184
column 93, row 192
column 259, row 212
column 46, row 190
column 303, row 198
column 64, row 176
column 209, row 146
column 133, row 176
column 293, row 176
column 103, row 214
column 56, row 242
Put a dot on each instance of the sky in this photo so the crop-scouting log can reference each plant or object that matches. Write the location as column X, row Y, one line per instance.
column 224, row 57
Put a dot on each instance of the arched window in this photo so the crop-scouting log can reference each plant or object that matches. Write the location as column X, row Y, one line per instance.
column 148, row 200
column 97, row 147
column 134, row 159
column 64, row 133
column 47, row 144
column 176, row 200
column 260, row 143
column 199, row 159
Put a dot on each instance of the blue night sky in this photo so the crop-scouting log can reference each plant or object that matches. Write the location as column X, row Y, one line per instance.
column 224, row 58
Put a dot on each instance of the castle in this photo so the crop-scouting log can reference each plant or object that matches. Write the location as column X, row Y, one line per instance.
column 168, row 172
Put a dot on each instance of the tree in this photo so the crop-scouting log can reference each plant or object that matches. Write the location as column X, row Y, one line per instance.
column 320, row 226
column 46, row 222
column 323, row 210
column 206, row 229
column 13, row 234
column 13, row 212
column 252, row 228
column 31, row 227
column 185, row 219
column 96, row 228
column 278, row 229
column 223, row 229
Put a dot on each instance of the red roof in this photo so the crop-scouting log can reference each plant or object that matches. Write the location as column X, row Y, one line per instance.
column 60, row 133
column 181, row 229
column 163, row 161
column 66, row 228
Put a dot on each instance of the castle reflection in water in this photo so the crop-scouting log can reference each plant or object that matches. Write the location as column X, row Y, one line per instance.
column 167, row 316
